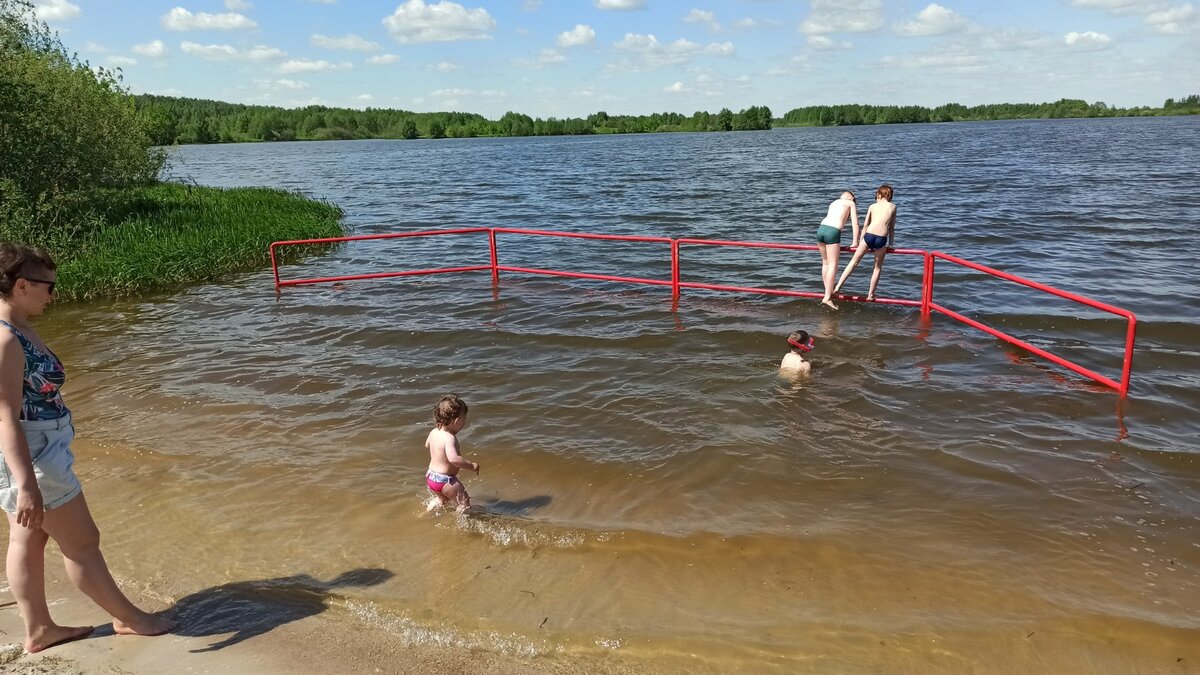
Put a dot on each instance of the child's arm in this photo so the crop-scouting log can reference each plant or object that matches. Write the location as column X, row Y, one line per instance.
column 453, row 456
column 892, row 229
column 854, row 222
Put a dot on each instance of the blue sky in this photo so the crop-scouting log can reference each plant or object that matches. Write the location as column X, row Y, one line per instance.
column 575, row 57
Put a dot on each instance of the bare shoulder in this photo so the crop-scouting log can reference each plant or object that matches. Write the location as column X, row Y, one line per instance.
column 9, row 340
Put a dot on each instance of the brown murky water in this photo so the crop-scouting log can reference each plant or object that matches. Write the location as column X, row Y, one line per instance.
column 652, row 492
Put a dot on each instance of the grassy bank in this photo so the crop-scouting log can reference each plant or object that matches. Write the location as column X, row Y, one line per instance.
column 168, row 235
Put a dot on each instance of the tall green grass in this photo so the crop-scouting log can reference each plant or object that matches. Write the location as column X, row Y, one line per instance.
column 169, row 235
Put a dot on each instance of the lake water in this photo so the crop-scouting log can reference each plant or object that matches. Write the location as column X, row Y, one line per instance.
column 655, row 496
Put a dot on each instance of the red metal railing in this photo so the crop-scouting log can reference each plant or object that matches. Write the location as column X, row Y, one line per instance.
column 926, row 302
column 1130, row 331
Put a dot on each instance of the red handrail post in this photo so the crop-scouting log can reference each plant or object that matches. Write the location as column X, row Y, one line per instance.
column 927, row 285
column 274, row 265
column 1127, row 368
column 674, row 269
column 492, row 247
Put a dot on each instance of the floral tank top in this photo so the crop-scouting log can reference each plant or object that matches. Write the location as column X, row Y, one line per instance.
column 44, row 375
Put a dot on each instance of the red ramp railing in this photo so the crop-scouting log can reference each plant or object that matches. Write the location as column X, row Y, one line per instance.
column 925, row 302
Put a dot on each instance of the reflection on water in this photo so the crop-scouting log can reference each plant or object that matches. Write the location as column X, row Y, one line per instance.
column 651, row 489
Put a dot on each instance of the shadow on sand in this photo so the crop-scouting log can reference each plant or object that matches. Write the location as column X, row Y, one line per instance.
column 252, row 608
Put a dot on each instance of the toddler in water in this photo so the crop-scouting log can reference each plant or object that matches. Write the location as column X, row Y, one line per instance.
column 449, row 417
column 793, row 363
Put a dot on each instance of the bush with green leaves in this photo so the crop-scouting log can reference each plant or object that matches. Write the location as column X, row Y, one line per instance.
column 66, row 128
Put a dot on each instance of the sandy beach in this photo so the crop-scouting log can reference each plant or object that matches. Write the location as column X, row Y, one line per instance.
column 310, row 645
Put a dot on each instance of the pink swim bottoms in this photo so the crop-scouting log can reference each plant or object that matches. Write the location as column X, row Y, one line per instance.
column 436, row 481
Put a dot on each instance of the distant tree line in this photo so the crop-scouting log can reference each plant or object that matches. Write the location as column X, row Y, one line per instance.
column 188, row 120
column 847, row 115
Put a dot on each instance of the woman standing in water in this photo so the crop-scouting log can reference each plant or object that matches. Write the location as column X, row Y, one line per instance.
column 829, row 240
column 38, row 488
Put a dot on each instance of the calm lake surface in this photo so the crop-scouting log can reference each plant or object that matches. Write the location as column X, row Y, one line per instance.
column 655, row 496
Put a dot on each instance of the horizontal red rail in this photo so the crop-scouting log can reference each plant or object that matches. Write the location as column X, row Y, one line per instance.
column 583, row 275
column 1130, row 332
column 383, row 275
column 925, row 303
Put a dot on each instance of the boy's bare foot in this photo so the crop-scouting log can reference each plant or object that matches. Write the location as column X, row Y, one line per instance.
column 55, row 635
column 870, row 298
column 829, row 303
column 146, row 624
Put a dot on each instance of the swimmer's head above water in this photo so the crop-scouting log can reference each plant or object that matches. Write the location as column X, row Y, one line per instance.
column 801, row 342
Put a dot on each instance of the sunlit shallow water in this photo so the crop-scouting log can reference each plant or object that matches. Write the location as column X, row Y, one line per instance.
column 652, row 490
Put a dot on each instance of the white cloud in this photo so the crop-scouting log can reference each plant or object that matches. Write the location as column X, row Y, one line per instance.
column 933, row 20
column 493, row 94
column 415, row 21
column 348, row 42
column 1118, row 6
column 382, row 59
column 181, row 19
column 620, row 4
column 364, row 98
column 1173, row 21
column 1087, row 41
column 796, row 65
column 651, row 53
column 443, row 67
column 578, row 36
column 676, row 88
column 954, row 61
column 441, row 93
column 229, row 53
column 531, row 5
column 703, row 16
column 95, row 48
column 824, row 43
column 263, row 53
column 291, row 85
column 153, row 50
column 310, row 66
column 238, row 4
column 1009, row 39
column 546, row 57
column 748, row 24
column 56, row 10
column 843, row 16
column 118, row 61
column 210, row 52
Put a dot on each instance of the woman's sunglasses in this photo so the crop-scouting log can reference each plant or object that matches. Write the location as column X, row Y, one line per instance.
column 49, row 284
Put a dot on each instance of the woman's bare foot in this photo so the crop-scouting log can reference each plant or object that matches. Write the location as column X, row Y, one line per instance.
column 829, row 303
column 145, row 624
column 55, row 635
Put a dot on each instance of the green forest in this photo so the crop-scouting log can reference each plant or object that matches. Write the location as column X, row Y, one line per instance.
column 188, row 120
column 848, row 115
column 175, row 120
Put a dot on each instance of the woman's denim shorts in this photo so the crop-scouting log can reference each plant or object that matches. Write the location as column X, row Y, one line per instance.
column 50, row 447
